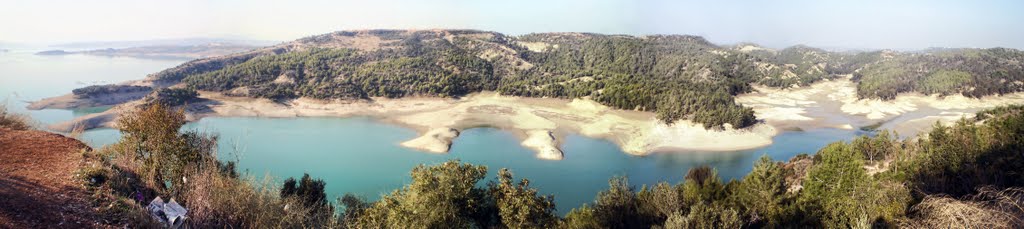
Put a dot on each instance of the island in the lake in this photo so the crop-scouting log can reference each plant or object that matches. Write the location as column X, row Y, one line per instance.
column 646, row 94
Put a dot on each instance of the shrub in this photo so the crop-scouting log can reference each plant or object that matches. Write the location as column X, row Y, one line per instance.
column 706, row 216
column 581, row 218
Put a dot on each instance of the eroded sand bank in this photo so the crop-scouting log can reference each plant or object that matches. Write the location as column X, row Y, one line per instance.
column 541, row 123
column 834, row 103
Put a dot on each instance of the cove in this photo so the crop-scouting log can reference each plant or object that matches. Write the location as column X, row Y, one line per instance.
column 362, row 156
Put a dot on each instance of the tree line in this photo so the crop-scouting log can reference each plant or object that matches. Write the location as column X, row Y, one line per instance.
column 636, row 73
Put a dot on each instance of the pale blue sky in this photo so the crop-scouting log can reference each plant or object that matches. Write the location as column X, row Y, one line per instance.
column 868, row 24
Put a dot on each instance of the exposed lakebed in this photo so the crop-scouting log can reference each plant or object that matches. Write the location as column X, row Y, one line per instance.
column 363, row 156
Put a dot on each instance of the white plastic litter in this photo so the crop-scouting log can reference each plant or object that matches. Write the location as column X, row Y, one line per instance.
column 170, row 213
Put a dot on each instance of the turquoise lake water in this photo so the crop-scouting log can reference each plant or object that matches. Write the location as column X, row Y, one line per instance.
column 362, row 156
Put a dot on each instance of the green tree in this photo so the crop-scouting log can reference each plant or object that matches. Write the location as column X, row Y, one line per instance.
column 762, row 192
column 519, row 206
column 619, row 207
column 581, row 218
column 441, row 196
column 833, row 187
column 151, row 136
column 309, row 191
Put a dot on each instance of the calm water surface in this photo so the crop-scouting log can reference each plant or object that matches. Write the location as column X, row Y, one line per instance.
column 362, row 156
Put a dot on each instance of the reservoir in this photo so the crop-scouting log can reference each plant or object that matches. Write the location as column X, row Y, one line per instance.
column 362, row 156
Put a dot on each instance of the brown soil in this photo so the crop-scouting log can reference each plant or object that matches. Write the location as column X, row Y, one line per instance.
column 37, row 184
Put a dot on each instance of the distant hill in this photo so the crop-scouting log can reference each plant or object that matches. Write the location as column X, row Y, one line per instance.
column 159, row 42
column 53, row 53
column 159, row 52
column 676, row 76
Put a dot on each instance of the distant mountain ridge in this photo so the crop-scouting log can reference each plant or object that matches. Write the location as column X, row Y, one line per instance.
column 675, row 76
column 162, row 52
column 196, row 41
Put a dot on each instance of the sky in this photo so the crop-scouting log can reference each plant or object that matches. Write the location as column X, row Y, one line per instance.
column 865, row 24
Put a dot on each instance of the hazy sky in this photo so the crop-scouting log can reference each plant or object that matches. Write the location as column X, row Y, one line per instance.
column 831, row 24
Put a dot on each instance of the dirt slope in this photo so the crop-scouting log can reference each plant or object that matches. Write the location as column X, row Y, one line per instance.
column 37, row 184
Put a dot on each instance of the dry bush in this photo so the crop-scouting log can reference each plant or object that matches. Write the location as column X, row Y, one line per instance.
column 13, row 121
column 216, row 200
column 990, row 208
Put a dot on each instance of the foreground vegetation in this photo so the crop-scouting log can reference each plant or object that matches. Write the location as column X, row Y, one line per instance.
column 968, row 175
column 12, row 120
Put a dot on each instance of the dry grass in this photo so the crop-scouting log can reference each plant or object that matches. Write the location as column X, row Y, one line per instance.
column 990, row 208
column 216, row 200
column 12, row 120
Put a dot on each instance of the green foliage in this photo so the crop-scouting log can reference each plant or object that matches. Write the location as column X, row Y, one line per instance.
column 971, row 72
column 173, row 96
column 945, row 82
column 618, row 207
column 309, row 191
column 702, row 185
column 519, row 206
column 100, row 90
column 661, row 201
column 706, row 216
column 581, row 218
column 154, row 159
column 876, row 148
column 152, row 137
column 441, row 196
column 622, row 72
column 761, row 194
column 839, row 193
column 833, row 187
column 955, row 160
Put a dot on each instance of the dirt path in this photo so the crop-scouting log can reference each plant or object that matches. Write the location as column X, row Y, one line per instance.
column 37, row 184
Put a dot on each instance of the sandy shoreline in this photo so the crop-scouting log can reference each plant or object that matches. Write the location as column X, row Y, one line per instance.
column 541, row 123
column 834, row 103
column 538, row 122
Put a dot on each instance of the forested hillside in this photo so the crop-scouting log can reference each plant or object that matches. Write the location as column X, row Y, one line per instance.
column 675, row 76
column 972, row 72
